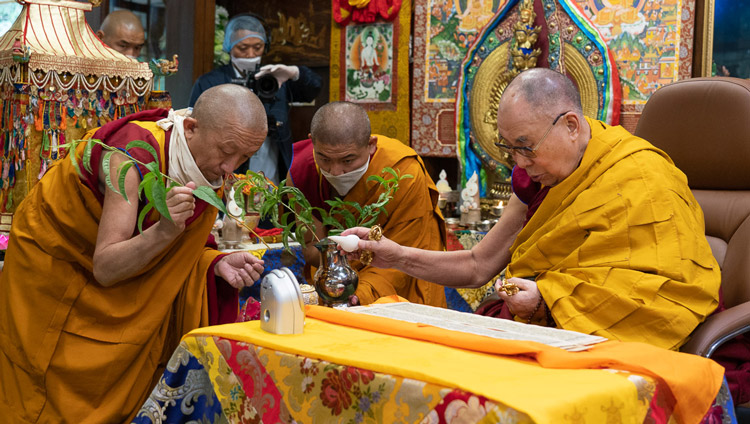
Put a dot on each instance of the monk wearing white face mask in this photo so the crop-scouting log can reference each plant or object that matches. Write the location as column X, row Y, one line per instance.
column 336, row 161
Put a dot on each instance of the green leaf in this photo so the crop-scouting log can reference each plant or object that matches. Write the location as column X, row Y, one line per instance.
column 107, row 174
column 286, row 234
column 330, row 222
column 141, row 216
column 369, row 222
column 377, row 178
column 73, row 159
column 148, row 190
column 144, row 185
column 122, row 172
column 239, row 198
column 159, row 199
column 284, row 220
column 209, row 196
column 153, row 167
column 87, row 155
column 299, row 234
column 335, row 231
column 349, row 219
column 143, row 145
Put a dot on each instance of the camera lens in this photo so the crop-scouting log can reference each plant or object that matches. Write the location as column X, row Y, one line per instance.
column 267, row 86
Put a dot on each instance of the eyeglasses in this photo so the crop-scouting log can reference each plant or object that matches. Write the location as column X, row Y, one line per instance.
column 526, row 151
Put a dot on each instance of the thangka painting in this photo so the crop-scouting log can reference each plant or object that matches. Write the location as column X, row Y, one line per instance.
column 526, row 34
column 370, row 62
column 652, row 41
column 443, row 32
column 369, row 55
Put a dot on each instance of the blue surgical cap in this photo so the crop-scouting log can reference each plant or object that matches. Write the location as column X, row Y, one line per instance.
column 248, row 23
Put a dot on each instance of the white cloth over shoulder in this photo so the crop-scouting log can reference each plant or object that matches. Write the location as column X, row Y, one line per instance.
column 182, row 166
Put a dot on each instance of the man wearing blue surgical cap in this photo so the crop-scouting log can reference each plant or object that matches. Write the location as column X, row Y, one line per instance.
column 246, row 41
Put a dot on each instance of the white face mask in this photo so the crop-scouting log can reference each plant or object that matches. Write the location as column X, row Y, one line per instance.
column 344, row 182
column 246, row 64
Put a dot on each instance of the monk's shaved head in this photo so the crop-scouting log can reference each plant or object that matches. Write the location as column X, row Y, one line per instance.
column 230, row 105
column 227, row 126
column 545, row 89
column 341, row 123
column 121, row 19
column 123, row 31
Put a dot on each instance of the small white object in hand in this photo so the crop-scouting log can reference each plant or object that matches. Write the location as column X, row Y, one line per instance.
column 348, row 243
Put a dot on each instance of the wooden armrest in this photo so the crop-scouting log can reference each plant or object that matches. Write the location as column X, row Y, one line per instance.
column 717, row 329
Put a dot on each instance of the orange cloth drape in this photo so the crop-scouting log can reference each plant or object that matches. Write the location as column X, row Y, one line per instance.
column 72, row 350
column 693, row 381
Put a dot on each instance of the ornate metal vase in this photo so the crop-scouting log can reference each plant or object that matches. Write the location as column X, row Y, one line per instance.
column 335, row 281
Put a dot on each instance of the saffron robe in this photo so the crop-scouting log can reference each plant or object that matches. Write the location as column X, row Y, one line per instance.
column 618, row 248
column 72, row 350
column 413, row 217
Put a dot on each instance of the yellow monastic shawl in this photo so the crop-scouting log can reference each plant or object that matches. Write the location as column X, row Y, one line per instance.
column 413, row 219
column 72, row 350
column 618, row 247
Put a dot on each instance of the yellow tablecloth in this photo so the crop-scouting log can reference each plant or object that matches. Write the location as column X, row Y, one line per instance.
column 544, row 393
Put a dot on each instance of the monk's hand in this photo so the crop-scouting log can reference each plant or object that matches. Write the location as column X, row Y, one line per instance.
column 522, row 304
column 353, row 300
column 181, row 205
column 386, row 253
column 239, row 269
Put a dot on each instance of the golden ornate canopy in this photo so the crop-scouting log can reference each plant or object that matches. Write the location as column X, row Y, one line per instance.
column 57, row 79
column 60, row 40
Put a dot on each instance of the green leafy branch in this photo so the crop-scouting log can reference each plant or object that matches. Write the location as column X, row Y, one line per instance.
column 353, row 214
column 154, row 186
column 265, row 198
column 287, row 208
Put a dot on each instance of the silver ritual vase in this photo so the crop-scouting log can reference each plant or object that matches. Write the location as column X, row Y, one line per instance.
column 335, row 280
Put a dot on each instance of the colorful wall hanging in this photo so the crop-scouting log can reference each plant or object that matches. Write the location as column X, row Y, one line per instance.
column 57, row 79
column 370, row 62
column 655, row 33
column 652, row 42
column 523, row 35
column 443, row 32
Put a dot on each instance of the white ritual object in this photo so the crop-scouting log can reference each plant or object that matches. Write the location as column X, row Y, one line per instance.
column 470, row 194
column 282, row 309
column 480, row 325
column 348, row 243
column 442, row 184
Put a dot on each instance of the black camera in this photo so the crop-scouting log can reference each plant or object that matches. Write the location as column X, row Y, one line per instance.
column 264, row 87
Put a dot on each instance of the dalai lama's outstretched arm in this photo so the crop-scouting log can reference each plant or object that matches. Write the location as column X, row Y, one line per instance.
column 118, row 254
column 465, row 268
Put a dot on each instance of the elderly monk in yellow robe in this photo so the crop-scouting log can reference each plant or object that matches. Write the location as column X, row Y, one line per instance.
column 616, row 245
column 91, row 309
column 336, row 161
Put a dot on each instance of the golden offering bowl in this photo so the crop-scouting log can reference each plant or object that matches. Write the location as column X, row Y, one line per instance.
column 252, row 220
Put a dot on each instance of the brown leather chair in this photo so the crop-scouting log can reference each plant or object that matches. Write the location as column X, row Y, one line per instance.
column 704, row 125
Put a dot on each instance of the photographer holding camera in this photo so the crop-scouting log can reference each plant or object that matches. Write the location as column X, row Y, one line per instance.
column 277, row 85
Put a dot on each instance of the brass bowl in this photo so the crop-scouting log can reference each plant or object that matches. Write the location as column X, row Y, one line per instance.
column 251, row 221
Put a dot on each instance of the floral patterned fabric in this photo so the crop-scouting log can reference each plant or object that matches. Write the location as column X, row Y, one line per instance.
column 211, row 379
